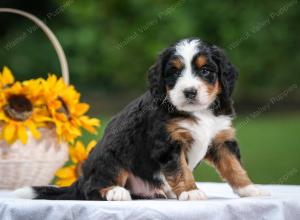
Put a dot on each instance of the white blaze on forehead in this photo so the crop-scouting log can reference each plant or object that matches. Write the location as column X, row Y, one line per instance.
column 187, row 49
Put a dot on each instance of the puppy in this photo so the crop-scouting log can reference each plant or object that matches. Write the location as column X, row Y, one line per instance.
column 150, row 149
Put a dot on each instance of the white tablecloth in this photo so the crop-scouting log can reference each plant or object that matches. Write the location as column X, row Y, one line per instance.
column 222, row 204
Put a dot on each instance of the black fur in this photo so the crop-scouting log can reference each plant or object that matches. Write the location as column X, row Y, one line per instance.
column 213, row 151
column 156, row 77
column 227, row 74
column 136, row 139
column 59, row 193
column 233, row 147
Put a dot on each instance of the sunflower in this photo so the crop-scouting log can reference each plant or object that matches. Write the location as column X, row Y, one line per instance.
column 19, row 113
column 6, row 78
column 78, row 154
column 66, row 111
column 41, row 103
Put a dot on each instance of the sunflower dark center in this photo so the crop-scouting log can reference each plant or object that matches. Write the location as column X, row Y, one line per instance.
column 19, row 108
column 7, row 86
column 64, row 108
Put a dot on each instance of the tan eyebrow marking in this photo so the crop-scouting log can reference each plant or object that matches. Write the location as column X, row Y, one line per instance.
column 200, row 61
column 177, row 63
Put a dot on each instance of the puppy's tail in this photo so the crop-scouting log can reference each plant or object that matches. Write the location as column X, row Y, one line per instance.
column 49, row 193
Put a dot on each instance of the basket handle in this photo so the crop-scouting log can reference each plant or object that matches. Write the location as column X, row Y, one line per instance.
column 57, row 46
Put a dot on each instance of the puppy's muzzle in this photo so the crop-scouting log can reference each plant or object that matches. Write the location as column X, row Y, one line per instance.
column 190, row 93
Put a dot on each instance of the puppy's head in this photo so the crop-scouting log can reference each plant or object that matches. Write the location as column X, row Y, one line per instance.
column 193, row 76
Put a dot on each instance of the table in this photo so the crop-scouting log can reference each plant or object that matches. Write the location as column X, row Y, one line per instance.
column 222, row 204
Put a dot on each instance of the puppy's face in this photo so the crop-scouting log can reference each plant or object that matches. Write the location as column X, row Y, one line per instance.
column 191, row 75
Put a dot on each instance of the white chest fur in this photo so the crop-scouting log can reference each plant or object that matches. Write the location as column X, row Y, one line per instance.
column 203, row 131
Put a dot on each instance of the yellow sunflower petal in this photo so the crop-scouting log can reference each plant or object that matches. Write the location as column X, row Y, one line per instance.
column 34, row 131
column 81, row 108
column 7, row 76
column 58, row 127
column 80, row 151
column 89, row 128
column 22, row 134
column 91, row 121
column 56, row 104
column 38, row 117
column 51, row 80
column 66, row 172
column 61, row 117
column 73, row 128
column 90, row 146
column 73, row 155
column 9, row 132
column 69, row 138
column 65, row 182
column 3, row 117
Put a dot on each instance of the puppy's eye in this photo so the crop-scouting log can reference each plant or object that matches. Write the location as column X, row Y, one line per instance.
column 177, row 72
column 205, row 72
column 173, row 71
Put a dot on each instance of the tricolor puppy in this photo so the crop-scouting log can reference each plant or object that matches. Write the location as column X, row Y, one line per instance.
column 150, row 149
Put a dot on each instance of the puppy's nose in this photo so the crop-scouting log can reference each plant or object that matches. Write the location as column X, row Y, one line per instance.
column 190, row 93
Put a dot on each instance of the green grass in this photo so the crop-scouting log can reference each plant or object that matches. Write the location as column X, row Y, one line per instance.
column 270, row 148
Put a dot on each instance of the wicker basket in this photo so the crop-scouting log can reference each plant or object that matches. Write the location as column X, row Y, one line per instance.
column 36, row 162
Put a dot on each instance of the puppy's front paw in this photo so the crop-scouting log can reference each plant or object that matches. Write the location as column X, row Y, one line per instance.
column 251, row 190
column 196, row 194
column 118, row 193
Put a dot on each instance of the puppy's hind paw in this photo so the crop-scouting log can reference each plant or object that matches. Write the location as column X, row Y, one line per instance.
column 192, row 195
column 251, row 190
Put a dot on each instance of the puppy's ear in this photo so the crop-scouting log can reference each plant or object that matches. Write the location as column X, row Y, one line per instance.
column 227, row 74
column 155, row 76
